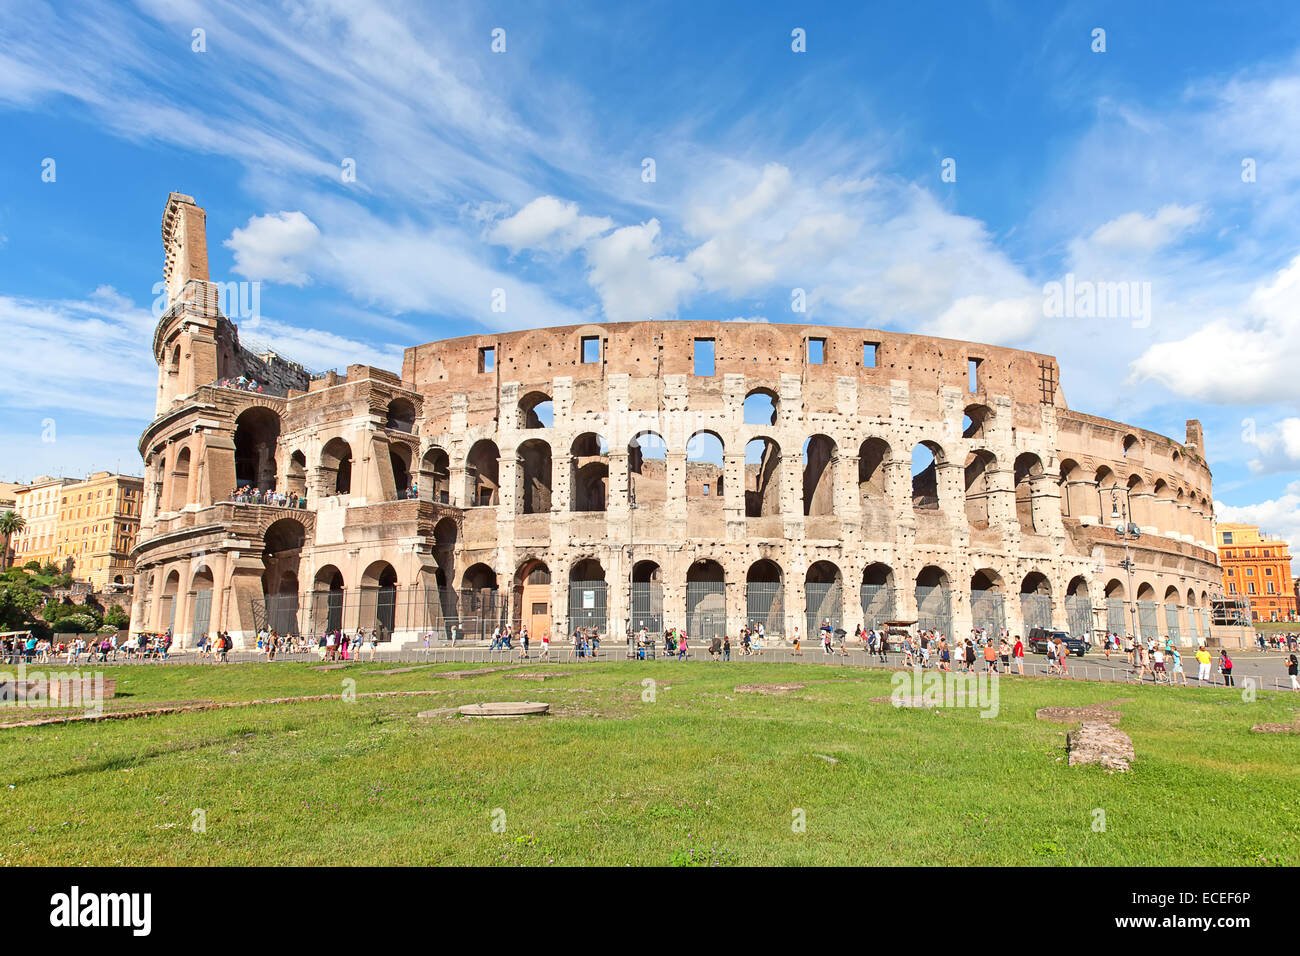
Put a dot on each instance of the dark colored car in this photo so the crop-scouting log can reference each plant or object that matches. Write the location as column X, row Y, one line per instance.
column 1040, row 636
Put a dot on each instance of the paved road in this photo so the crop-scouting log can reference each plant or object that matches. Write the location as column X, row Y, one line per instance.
column 1268, row 668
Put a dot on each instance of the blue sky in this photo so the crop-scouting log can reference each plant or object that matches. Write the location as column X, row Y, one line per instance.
column 774, row 170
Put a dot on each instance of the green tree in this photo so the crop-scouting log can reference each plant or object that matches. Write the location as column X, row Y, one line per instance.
column 10, row 524
column 117, row 617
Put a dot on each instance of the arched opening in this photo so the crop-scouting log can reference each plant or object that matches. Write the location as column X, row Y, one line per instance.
column 401, row 415
column 588, row 597
column 760, row 407
column 256, row 432
column 704, row 451
column 878, row 596
column 336, row 467
column 379, row 600
column 823, row 598
column 327, row 600
column 1148, row 612
column 167, row 602
column 180, row 482
column 1130, row 446
column 536, row 410
column 980, row 466
column 481, row 607
column 647, row 598
column 201, row 588
column 482, row 481
column 1029, row 469
column 987, row 603
column 647, row 465
column 534, row 477
column 589, row 473
column 873, row 456
column 926, row 458
column 765, row 597
column 1116, row 615
column 532, row 598
column 934, row 600
column 399, row 457
column 1036, row 601
column 762, row 478
column 296, row 475
column 819, row 453
column 706, row 604
column 435, row 476
column 1074, row 500
column 1173, row 616
column 1078, row 608
column 975, row 420
column 281, row 552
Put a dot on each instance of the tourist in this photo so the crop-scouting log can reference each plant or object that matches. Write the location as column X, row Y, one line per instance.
column 545, row 655
column 1176, row 675
column 681, row 647
column 827, row 650
column 1004, row 652
column 726, row 649
column 797, row 651
column 1225, row 668
column 1158, row 664
column 1291, row 670
column 1202, row 664
column 715, row 648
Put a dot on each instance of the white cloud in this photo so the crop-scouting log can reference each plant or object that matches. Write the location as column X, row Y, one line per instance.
column 1248, row 359
column 548, row 223
column 1279, row 449
column 1134, row 231
column 633, row 282
column 773, row 183
column 275, row 247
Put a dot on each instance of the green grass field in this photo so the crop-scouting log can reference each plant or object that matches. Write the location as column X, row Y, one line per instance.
column 701, row 775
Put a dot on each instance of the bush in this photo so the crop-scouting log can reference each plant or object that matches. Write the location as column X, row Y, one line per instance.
column 117, row 616
column 74, row 624
column 32, row 566
column 108, row 629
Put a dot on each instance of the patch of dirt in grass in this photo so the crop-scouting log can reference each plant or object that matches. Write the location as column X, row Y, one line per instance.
column 773, row 690
column 541, row 676
column 1072, row 715
column 1291, row 728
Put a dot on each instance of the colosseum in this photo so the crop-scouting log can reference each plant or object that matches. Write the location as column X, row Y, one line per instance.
column 659, row 474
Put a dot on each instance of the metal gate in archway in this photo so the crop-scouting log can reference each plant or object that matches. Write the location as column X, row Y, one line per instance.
column 588, row 604
column 765, row 605
column 706, row 610
column 1115, row 622
column 1148, row 620
column 1078, row 615
column 1036, row 609
column 934, row 609
column 878, row 604
column 648, row 607
column 988, row 612
column 823, row 601
column 202, row 612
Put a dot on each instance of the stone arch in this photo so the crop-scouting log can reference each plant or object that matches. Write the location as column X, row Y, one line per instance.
column 976, row 419
column 399, row 459
column 534, row 477
column 589, row 473
column 1028, row 470
column 482, row 474
column 336, row 467
column 706, row 602
column 933, row 592
column 536, row 410
column 705, row 451
column 257, row 431
column 647, row 467
column 760, row 407
column 927, row 456
column 819, row 453
column 295, row 475
column 823, row 597
column 874, row 455
column 980, row 466
column 434, row 483
column 762, row 477
column 400, row 415
column 179, row 495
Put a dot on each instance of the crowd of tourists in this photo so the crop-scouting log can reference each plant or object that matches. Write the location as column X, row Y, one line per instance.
column 248, row 495
column 1277, row 642
column 69, row 649
column 243, row 383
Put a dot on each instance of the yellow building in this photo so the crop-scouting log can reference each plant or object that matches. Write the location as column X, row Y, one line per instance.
column 94, row 522
column 1258, row 568
column 38, row 504
column 99, row 520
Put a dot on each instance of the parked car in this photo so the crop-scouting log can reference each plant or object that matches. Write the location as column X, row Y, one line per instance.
column 1040, row 636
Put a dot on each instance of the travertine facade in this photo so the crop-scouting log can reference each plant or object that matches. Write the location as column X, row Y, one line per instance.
column 588, row 475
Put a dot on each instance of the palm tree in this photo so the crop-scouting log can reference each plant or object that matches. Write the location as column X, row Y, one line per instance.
column 10, row 524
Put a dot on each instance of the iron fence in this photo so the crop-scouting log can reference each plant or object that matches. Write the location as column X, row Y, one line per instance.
column 588, row 606
column 1115, row 616
column 408, row 613
column 765, row 605
column 822, row 602
column 934, row 609
column 1078, row 614
column 879, row 604
column 1036, row 610
column 1148, row 620
column 706, row 609
column 648, row 606
column 988, row 612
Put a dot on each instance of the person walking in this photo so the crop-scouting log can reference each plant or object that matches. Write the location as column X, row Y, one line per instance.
column 1291, row 669
column 990, row 658
column 545, row 655
column 797, row 651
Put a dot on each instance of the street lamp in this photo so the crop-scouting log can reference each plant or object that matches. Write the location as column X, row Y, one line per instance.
column 1126, row 529
column 631, row 564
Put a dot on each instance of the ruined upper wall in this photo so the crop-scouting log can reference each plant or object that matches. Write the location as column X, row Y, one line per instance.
column 762, row 352
column 185, row 243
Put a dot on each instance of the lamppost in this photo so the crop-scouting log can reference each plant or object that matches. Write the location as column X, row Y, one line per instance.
column 631, row 565
column 1126, row 529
